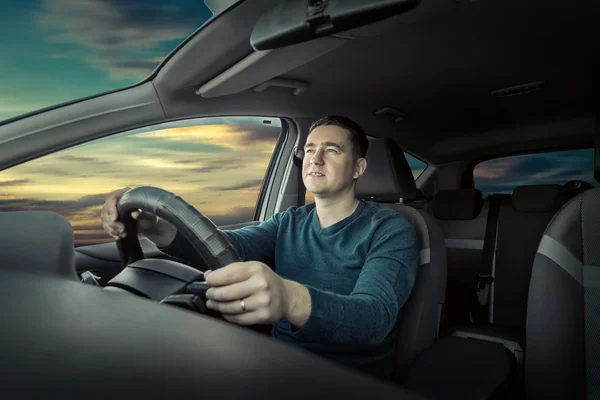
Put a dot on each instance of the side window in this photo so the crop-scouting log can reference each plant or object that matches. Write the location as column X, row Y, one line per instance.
column 417, row 166
column 502, row 175
column 216, row 164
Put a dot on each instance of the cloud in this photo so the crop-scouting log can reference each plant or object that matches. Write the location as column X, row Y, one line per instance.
column 123, row 38
column 503, row 175
column 220, row 164
column 234, row 216
column 251, row 134
column 63, row 207
column 89, row 160
column 14, row 182
column 220, row 184
column 250, row 139
column 53, row 171
column 252, row 184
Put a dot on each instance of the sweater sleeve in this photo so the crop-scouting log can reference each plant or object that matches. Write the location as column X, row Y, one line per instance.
column 368, row 314
column 253, row 243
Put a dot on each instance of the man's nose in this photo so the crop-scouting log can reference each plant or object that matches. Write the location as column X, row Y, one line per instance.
column 317, row 157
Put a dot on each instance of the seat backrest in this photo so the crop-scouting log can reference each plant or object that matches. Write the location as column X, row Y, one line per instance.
column 37, row 241
column 388, row 179
column 563, row 319
column 462, row 215
column 521, row 224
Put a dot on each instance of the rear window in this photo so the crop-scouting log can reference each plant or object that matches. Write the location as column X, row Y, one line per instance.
column 502, row 175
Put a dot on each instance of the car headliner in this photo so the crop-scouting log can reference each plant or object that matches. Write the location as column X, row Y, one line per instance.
column 437, row 64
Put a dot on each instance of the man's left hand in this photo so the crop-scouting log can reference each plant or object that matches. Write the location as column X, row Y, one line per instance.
column 266, row 296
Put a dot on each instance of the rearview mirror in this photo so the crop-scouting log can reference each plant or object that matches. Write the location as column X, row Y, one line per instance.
column 296, row 21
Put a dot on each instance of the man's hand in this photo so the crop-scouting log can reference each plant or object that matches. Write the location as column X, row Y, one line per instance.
column 155, row 229
column 267, row 297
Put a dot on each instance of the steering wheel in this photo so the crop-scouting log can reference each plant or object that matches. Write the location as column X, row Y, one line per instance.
column 165, row 280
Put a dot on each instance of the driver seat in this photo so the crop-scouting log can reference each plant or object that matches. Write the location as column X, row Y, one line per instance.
column 389, row 180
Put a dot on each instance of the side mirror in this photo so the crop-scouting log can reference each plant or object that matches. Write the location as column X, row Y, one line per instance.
column 296, row 21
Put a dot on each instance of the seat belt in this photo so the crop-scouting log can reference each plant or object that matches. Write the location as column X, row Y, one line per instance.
column 485, row 278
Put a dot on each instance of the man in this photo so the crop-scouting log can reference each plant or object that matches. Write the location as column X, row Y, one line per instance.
column 344, row 268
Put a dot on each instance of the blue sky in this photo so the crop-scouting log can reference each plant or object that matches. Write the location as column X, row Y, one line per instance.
column 60, row 50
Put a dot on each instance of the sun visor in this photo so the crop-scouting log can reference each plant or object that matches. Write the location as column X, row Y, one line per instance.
column 259, row 69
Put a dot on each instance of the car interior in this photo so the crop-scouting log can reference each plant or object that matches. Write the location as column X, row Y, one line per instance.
column 505, row 305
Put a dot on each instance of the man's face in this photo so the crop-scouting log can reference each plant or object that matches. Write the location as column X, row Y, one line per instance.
column 329, row 167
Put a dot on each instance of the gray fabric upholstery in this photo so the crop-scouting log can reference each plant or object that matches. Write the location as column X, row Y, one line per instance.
column 538, row 198
column 563, row 318
column 388, row 176
column 464, row 239
column 387, row 179
column 419, row 324
column 519, row 234
column 460, row 204
column 37, row 241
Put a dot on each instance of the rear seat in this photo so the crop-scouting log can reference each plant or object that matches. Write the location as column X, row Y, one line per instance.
column 485, row 359
column 462, row 215
column 456, row 367
column 521, row 226
column 522, row 219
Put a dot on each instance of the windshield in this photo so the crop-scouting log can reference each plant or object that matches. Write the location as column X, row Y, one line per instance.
column 55, row 51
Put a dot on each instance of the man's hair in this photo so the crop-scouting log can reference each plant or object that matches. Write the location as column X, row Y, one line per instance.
column 358, row 137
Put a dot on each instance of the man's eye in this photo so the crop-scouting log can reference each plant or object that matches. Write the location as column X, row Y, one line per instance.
column 332, row 151
column 308, row 151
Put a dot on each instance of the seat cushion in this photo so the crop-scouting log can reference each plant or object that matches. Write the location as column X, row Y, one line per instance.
column 458, row 368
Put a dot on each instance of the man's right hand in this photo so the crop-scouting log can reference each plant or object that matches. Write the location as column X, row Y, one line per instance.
column 155, row 229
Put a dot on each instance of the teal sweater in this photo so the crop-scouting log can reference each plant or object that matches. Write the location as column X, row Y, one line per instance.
column 359, row 272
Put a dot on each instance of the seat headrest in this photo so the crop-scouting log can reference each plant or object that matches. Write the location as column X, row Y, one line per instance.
column 37, row 241
column 388, row 176
column 458, row 204
column 537, row 198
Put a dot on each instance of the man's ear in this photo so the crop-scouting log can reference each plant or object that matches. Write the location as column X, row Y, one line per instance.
column 360, row 167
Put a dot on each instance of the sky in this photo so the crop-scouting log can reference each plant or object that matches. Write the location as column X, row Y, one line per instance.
column 217, row 167
column 504, row 174
column 61, row 50
column 55, row 51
